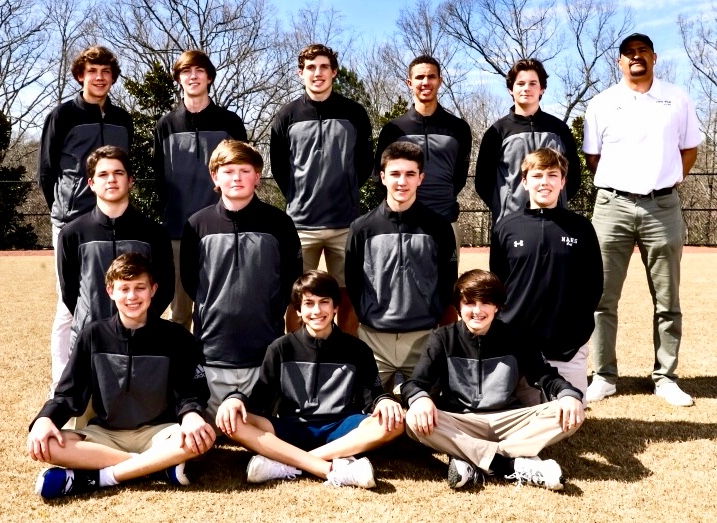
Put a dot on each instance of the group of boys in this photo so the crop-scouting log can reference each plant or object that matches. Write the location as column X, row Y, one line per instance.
column 314, row 398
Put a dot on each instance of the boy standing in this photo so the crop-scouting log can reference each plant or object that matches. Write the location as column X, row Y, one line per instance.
column 326, row 383
column 136, row 430
column 321, row 151
column 239, row 259
column 183, row 141
column 87, row 246
column 445, row 139
column 400, row 266
column 525, row 129
column 462, row 394
column 71, row 132
column 549, row 259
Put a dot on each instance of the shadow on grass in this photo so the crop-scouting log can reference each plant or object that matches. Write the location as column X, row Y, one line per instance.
column 698, row 387
column 609, row 449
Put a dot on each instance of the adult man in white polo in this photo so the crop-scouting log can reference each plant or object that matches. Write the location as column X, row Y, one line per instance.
column 641, row 139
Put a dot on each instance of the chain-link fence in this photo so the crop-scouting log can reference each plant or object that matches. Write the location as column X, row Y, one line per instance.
column 698, row 194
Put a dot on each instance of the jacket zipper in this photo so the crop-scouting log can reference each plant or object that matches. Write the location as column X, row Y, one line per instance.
column 236, row 244
column 321, row 132
column 480, row 372
column 315, row 385
column 425, row 138
column 129, row 364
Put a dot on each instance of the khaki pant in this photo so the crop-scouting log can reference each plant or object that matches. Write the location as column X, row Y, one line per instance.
column 477, row 438
column 394, row 351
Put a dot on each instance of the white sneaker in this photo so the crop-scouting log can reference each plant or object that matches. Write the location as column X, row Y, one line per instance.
column 261, row 469
column 459, row 473
column 356, row 473
column 673, row 394
column 599, row 390
column 535, row 471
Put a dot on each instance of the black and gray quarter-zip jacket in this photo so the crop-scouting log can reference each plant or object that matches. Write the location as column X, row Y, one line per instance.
column 465, row 373
column 87, row 247
column 550, row 263
column 238, row 267
column 71, row 132
column 400, row 268
column 504, row 146
column 315, row 379
column 147, row 376
column 446, row 142
column 321, row 154
column 183, row 143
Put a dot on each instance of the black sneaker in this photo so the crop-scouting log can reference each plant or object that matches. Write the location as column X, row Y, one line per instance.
column 57, row 482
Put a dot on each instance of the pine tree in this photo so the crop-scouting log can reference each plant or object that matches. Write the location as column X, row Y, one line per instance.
column 584, row 200
column 154, row 96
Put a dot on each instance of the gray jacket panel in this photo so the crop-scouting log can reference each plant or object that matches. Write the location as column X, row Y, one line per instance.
column 510, row 196
column 323, row 177
column 496, row 380
column 401, row 288
column 226, row 260
column 436, row 190
column 93, row 302
column 322, row 389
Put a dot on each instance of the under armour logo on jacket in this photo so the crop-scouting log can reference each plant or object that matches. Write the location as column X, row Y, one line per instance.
column 518, row 243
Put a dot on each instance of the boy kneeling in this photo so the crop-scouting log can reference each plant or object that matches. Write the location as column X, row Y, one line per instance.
column 476, row 364
column 143, row 374
column 325, row 381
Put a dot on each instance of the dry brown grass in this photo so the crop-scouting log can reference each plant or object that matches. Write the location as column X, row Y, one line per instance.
column 636, row 458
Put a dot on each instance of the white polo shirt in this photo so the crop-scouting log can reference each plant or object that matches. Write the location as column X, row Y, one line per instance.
column 639, row 136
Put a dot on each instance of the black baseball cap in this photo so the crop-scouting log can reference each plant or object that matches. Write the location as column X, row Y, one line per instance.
column 636, row 37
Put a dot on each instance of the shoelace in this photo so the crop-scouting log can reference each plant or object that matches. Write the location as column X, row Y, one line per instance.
column 284, row 471
column 534, row 477
column 69, row 482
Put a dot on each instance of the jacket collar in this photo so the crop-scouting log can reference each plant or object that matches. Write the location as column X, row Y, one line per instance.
column 386, row 211
column 233, row 215
column 105, row 221
column 520, row 118
column 317, row 343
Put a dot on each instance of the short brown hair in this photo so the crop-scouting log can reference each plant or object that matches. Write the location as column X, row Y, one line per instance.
column 194, row 58
column 107, row 151
column 318, row 283
column 233, row 151
column 97, row 55
column 545, row 158
column 527, row 64
column 402, row 151
column 129, row 266
column 479, row 285
column 312, row 51
column 424, row 59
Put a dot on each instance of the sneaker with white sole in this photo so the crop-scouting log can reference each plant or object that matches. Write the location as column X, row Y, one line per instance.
column 460, row 473
column 261, row 469
column 599, row 390
column 56, row 482
column 673, row 394
column 176, row 475
column 535, row 471
column 356, row 473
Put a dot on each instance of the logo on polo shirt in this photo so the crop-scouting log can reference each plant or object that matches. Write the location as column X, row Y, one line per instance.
column 518, row 243
column 567, row 240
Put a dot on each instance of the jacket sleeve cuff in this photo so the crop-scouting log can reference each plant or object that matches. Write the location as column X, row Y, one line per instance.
column 573, row 393
column 421, row 394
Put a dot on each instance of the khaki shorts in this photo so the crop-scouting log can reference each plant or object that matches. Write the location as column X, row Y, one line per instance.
column 332, row 242
column 132, row 440
column 223, row 381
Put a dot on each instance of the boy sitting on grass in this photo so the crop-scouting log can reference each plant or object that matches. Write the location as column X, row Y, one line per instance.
column 325, row 381
column 462, row 394
column 144, row 377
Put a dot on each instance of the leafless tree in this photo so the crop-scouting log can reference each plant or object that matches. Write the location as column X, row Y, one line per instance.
column 24, row 89
column 242, row 37
column 595, row 28
column 497, row 33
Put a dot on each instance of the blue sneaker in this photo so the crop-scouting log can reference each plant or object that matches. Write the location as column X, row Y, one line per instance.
column 176, row 475
column 57, row 482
